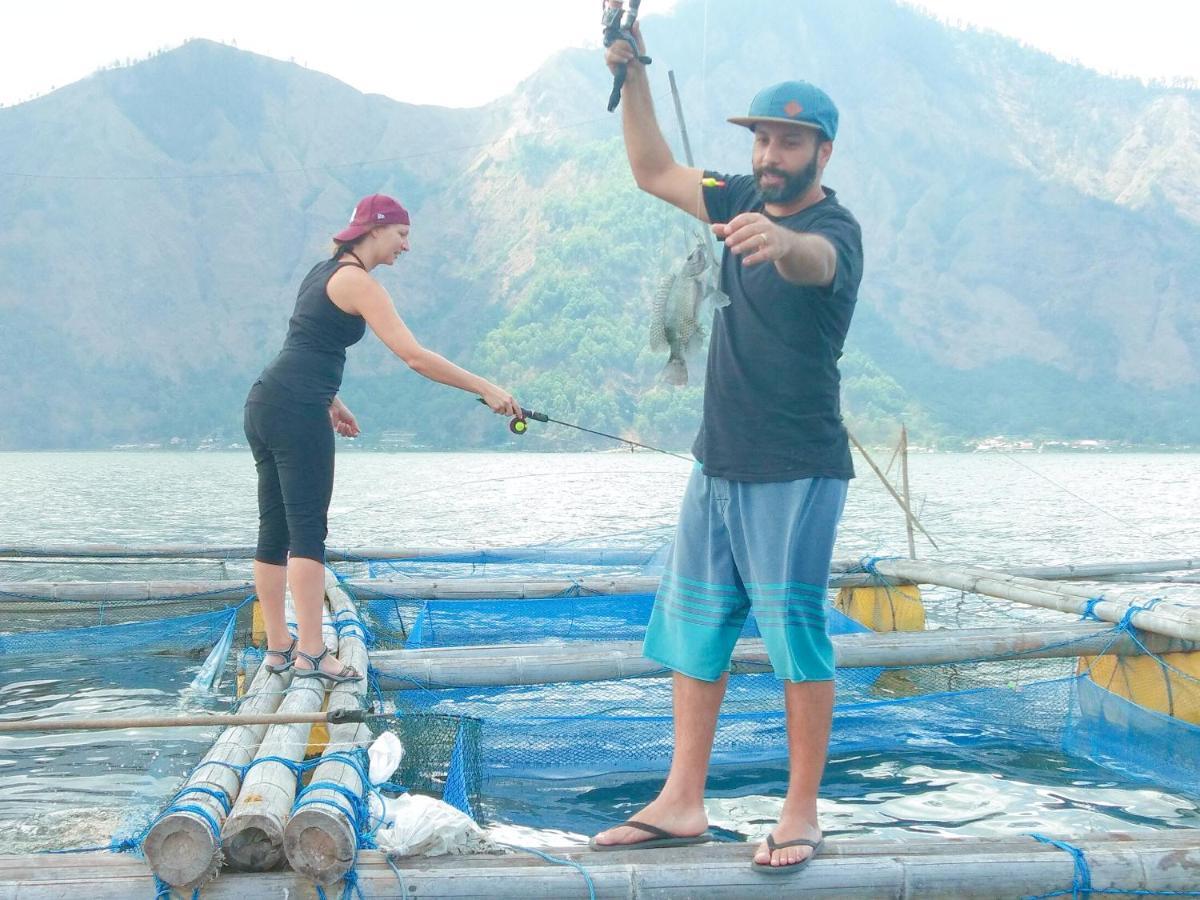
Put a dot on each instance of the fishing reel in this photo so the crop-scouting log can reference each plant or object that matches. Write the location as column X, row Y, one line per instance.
column 518, row 424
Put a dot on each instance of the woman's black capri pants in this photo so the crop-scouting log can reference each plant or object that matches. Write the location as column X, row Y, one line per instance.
column 293, row 452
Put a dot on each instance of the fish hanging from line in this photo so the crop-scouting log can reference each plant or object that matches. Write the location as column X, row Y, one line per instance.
column 679, row 305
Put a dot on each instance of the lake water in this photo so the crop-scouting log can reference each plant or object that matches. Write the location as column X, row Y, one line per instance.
column 989, row 509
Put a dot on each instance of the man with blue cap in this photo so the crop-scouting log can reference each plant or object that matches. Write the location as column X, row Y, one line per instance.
column 760, row 513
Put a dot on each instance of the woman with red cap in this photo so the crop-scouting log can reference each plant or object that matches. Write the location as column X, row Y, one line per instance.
column 293, row 410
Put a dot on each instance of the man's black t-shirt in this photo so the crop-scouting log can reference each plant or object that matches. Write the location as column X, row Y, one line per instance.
column 772, row 410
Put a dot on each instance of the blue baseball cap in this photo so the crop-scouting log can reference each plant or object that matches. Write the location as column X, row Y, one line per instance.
column 795, row 103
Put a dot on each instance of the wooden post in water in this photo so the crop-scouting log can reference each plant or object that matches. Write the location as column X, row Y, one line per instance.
column 181, row 848
column 908, row 515
column 320, row 840
column 252, row 837
column 912, row 546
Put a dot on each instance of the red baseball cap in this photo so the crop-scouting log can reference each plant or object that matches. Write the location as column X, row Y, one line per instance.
column 378, row 209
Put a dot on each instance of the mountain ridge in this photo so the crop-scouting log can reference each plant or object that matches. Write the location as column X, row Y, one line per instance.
column 1019, row 215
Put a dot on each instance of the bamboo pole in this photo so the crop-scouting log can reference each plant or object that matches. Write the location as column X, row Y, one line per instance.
column 1149, row 579
column 519, row 664
column 162, row 593
column 687, row 145
column 180, row 847
column 1083, row 571
column 320, row 840
column 912, row 866
column 80, row 723
column 601, row 556
column 1169, row 619
column 39, row 596
column 46, row 596
column 472, row 589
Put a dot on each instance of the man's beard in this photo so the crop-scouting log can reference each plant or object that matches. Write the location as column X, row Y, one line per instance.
column 793, row 187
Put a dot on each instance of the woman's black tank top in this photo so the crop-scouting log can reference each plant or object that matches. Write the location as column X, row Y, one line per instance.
column 308, row 370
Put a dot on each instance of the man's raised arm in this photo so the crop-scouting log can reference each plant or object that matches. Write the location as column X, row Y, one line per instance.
column 654, row 168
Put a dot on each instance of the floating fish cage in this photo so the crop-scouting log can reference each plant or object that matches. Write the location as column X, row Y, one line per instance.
column 523, row 666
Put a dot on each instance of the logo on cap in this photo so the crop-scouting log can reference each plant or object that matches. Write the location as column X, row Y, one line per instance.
column 793, row 109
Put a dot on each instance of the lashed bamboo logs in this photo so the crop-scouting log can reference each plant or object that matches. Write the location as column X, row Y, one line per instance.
column 321, row 840
column 252, row 837
column 181, row 848
column 511, row 664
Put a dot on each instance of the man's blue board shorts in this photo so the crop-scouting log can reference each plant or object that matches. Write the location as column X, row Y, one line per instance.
column 741, row 546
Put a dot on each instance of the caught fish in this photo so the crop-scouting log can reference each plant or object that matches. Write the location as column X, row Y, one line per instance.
column 679, row 304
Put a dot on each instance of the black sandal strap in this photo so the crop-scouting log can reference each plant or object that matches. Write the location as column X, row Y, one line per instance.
column 285, row 655
column 799, row 842
column 649, row 829
column 315, row 660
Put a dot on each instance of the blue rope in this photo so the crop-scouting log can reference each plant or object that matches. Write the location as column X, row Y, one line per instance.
column 352, row 888
column 1082, row 882
column 162, row 889
column 399, row 877
column 1089, row 609
column 591, row 886
column 297, row 769
column 123, row 845
column 373, row 685
column 1127, row 619
column 360, row 810
column 869, row 564
column 219, row 795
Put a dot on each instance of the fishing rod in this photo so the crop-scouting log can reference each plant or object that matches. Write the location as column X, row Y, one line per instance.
column 518, row 425
column 616, row 30
column 82, row 723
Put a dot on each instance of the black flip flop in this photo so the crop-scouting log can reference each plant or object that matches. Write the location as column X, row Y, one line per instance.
column 660, row 838
column 793, row 867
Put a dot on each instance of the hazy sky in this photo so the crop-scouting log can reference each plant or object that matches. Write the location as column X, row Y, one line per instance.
column 466, row 52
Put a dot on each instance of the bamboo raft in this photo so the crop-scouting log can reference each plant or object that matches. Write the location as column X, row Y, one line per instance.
column 260, row 832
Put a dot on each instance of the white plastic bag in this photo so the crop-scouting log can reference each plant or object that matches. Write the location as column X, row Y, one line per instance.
column 384, row 756
column 416, row 825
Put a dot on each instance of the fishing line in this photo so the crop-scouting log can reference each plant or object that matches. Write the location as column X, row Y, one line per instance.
column 1095, row 506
